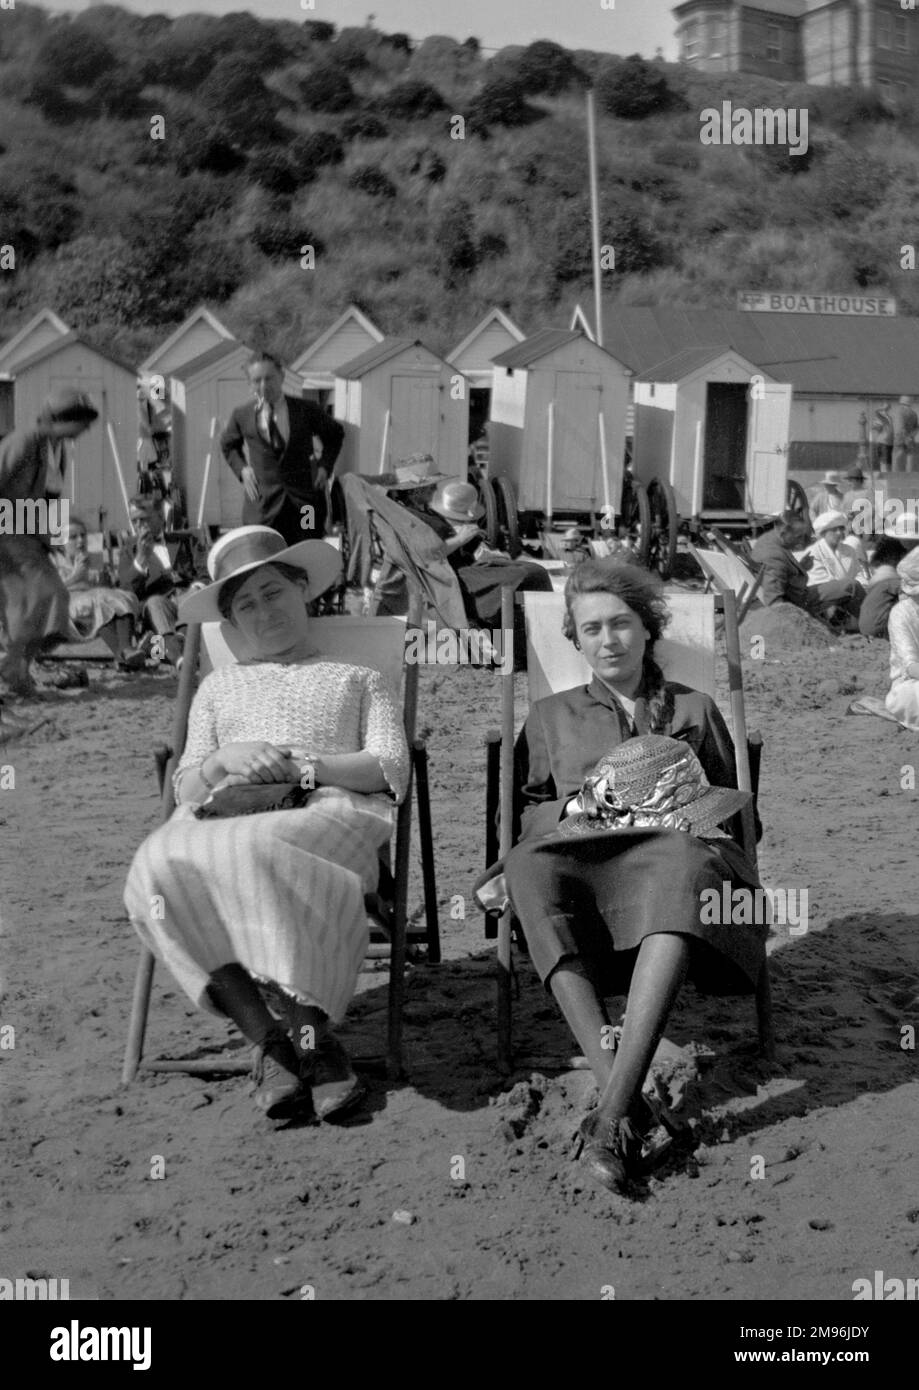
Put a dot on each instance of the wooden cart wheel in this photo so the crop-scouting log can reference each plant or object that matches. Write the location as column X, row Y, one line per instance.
column 636, row 520
column 796, row 498
column 492, row 522
column 664, row 524
column 507, row 512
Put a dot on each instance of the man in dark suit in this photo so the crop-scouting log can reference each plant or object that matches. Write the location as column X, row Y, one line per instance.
column 285, row 482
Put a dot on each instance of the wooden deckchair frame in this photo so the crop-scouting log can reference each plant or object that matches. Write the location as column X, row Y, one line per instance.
column 500, row 810
column 753, row 577
column 166, row 761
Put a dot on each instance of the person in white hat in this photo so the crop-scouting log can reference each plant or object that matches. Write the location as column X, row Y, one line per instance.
column 827, row 495
column 903, row 630
column 834, row 570
column 275, row 897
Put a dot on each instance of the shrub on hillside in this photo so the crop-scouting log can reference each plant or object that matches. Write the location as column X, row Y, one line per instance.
column 370, row 179
column 547, row 67
column 364, row 126
column 501, row 102
column 411, row 101
column 278, row 170
column 195, row 145
column 280, row 238
column 318, row 147
column 319, row 30
column 632, row 88
column 454, row 240
column 326, row 87
column 72, row 55
column 236, row 96
column 353, row 48
column 400, row 42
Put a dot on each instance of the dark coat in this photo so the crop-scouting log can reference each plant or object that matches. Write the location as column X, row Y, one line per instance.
column 566, row 734
column 287, row 480
column 784, row 578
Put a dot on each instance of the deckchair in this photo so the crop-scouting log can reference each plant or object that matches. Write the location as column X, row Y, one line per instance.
column 687, row 655
column 377, row 642
column 92, row 648
column 727, row 570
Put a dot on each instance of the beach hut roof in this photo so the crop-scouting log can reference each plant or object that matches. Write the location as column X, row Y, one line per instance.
column 207, row 359
column 71, row 340
column 683, row 364
column 378, row 354
column 48, row 316
column 494, row 315
column 351, row 313
column 200, row 315
column 538, row 345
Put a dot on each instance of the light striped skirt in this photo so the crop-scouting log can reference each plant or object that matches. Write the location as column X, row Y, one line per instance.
column 281, row 893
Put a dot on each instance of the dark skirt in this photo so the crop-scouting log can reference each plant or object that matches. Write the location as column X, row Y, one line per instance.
column 595, row 898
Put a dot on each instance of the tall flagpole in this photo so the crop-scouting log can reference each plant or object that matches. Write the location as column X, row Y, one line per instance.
column 594, row 213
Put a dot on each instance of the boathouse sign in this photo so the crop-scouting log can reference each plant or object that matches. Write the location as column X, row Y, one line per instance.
column 783, row 302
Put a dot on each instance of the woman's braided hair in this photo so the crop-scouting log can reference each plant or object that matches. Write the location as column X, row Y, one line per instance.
column 643, row 592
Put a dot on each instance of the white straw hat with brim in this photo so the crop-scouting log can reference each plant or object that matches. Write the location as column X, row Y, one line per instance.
column 245, row 549
column 834, row 479
column 456, row 500
column 655, row 780
column 826, row 521
column 415, row 473
column 904, row 528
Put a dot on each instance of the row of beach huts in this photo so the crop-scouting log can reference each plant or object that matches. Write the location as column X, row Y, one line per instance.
column 559, row 407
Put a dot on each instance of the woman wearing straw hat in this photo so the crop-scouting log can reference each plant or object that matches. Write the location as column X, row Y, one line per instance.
column 903, row 630
column 34, row 609
column 620, row 838
column 275, row 897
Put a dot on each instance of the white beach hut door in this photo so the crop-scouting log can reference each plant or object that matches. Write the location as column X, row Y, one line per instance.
column 767, row 461
column 91, row 481
column 415, row 420
column 578, row 397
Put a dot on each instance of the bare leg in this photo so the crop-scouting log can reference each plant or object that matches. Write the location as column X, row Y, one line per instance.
column 117, row 634
column 585, row 1015
column 660, row 970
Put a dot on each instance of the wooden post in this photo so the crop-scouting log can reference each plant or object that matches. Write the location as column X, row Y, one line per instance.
column 594, row 215
column 124, row 491
column 505, row 841
column 550, row 460
column 861, row 457
column 385, row 444
column 207, row 472
column 604, row 468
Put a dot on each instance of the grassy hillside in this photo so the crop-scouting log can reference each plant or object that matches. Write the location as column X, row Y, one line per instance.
column 277, row 135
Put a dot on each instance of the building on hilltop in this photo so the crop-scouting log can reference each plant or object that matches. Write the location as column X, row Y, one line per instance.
column 866, row 43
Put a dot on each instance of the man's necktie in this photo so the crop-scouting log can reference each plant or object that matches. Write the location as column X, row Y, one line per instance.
column 276, row 439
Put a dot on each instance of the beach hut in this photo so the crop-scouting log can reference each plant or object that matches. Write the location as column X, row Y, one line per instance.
column 112, row 385
column 43, row 328
column 475, row 356
column 557, row 422
column 396, row 399
column 716, row 427
column 204, row 392
column 200, row 332
column 350, row 335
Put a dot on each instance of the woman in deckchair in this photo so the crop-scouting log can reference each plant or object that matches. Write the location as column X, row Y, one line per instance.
column 608, row 875
column 263, row 895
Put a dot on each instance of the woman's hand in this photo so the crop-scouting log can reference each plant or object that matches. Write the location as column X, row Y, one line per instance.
column 255, row 762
